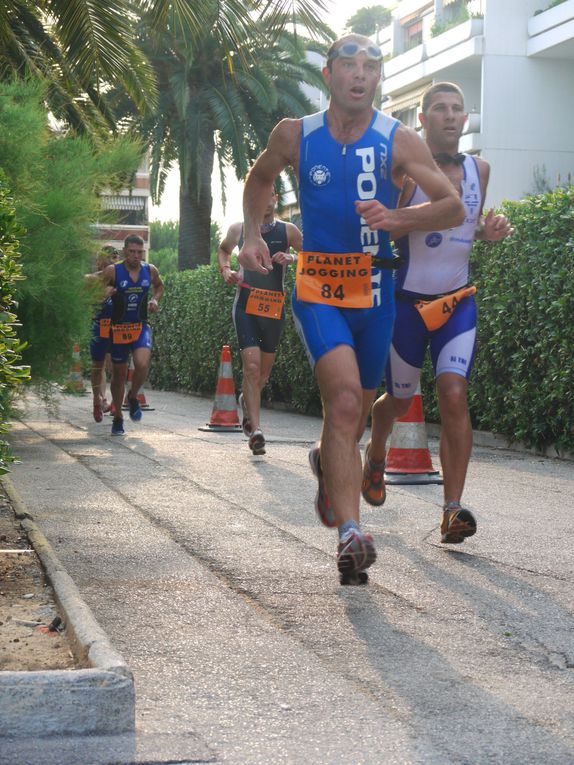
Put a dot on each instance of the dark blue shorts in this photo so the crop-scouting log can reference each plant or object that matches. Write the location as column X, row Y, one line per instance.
column 257, row 331
column 99, row 346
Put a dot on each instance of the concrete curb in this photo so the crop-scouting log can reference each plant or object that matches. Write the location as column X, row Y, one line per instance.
column 97, row 700
column 495, row 441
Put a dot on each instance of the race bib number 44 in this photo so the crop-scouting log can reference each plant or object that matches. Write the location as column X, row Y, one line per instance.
column 339, row 279
column 265, row 303
column 436, row 313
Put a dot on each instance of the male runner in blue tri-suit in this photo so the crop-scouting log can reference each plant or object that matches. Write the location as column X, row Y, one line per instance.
column 350, row 161
column 132, row 279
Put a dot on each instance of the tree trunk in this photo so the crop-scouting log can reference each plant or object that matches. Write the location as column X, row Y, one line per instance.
column 195, row 202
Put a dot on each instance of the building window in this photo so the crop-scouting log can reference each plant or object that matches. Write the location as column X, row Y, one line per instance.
column 413, row 34
column 128, row 210
column 409, row 117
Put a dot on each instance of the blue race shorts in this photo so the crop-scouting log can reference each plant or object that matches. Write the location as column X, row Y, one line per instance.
column 452, row 346
column 366, row 330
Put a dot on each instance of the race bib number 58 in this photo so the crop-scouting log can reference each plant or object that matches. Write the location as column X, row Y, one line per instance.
column 339, row 279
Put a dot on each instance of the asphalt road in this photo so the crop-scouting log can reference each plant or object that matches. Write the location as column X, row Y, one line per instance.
column 210, row 573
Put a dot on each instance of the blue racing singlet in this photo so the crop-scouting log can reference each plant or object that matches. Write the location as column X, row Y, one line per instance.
column 130, row 300
column 332, row 176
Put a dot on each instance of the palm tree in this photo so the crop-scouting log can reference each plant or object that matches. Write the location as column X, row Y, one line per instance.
column 216, row 102
column 79, row 47
column 235, row 16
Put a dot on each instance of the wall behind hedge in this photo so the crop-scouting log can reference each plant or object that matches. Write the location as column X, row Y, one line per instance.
column 522, row 385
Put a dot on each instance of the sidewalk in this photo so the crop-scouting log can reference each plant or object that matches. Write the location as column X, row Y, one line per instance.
column 210, row 575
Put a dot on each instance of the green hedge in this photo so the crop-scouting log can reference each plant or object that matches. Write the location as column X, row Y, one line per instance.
column 522, row 385
column 524, row 381
column 11, row 373
column 193, row 325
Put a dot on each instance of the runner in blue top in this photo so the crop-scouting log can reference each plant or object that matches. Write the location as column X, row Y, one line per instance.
column 132, row 279
column 100, row 344
column 436, row 267
column 350, row 162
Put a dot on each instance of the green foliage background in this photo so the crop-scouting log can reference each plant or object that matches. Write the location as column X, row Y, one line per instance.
column 55, row 178
column 163, row 245
column 12, row 374
column 522, row 384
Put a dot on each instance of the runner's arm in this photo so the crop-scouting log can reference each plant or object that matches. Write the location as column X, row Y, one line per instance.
column 293, row 242
column 444, row 208
column 158, row 289
column 280, row 152
column 490, row 227
column 226, row 247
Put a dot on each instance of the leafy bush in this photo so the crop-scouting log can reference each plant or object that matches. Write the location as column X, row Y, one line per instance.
column 55, row 178
column 11, row 373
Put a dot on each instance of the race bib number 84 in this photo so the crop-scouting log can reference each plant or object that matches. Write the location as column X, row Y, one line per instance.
column 339, row 279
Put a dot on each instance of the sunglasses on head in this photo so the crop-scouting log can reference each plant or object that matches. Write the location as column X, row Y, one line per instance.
column 352, row 49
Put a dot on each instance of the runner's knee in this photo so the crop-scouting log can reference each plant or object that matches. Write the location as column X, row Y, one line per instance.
column 452, row 397
column 344, row 407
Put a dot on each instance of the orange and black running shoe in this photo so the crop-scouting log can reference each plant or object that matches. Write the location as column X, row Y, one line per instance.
column 373, row 485
column 457, row 524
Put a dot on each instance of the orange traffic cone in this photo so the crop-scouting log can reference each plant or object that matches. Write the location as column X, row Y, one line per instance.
column 141, row 395
column 408, row 458
column 224, row 417
column 75, row 381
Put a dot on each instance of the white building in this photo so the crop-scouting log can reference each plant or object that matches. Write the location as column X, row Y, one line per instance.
column 130, row 210
column 514, row 60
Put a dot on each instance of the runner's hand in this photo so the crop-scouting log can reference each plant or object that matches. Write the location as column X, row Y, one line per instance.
column 495, row 227
column 376, row 215
column 229, row 276
column 254, row 256
column 283, row 258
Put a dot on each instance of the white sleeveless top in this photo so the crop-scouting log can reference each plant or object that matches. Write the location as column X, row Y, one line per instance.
column 436, row 262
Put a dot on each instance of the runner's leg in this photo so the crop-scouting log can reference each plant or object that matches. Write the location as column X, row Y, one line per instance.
column 341, row 393
column 456, row 433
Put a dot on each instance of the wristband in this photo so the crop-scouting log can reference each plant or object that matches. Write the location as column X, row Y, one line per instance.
column 224, row 268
